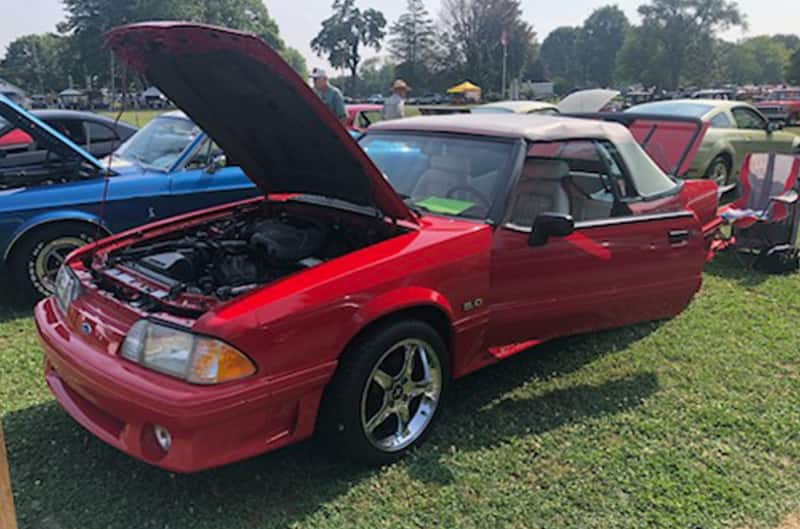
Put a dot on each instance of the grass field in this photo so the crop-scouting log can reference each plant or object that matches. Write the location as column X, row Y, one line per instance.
column 137, row 118
column 687, row 423
column 684, row 423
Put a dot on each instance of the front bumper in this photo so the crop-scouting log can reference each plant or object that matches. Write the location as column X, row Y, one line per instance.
column 120, row 402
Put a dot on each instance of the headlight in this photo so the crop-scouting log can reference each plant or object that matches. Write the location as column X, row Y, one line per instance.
column 67, row 288
column 184, row 355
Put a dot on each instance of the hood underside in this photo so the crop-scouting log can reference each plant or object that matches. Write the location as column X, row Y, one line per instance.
column 257, row 109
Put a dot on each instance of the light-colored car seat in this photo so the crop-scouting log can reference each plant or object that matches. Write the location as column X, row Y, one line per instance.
column 540, row 190
column 443, row 174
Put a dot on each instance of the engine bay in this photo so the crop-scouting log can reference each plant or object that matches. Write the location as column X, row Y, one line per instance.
column 231, row 256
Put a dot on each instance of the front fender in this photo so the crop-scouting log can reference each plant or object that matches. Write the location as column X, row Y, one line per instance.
column 401, row 299
column 48, row 218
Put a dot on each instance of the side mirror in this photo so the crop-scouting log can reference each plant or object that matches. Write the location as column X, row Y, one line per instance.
column 774, row 126
column 549, row 225
column 220, row 161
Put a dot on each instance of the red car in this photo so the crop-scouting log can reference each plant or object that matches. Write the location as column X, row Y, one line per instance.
column 345, row 301
column 360, row 117
column 11, row 138
column 782, row 105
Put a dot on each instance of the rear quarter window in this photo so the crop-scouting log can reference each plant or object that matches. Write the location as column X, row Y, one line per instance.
column 721, row 121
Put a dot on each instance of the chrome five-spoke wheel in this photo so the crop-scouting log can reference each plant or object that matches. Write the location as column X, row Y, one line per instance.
column 387, row 392
column 401, row 396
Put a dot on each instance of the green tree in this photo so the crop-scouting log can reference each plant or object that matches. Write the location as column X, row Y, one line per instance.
column 472, row 30
column 343, row 34
column 793, row 71
column 412, row 43
column 791, row 42
column 375, row 76
column 87, row 20
column 739, row 64
column 36, row 62
column 640, row 58
column 244, row 15
column 757, row 60
column 680, row 27
column 599, row 42
column 559, row 55
column 296, row 61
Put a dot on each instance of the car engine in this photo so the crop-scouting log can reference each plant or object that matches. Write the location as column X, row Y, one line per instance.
column 230, row 257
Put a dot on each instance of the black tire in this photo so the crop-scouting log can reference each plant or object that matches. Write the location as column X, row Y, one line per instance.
column 719, row 163
column 47, row 243
column 341, row 425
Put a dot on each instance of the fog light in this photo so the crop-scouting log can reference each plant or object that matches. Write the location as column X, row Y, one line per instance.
column 163, row 437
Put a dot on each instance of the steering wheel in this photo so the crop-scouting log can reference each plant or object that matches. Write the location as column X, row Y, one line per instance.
column 474, row 192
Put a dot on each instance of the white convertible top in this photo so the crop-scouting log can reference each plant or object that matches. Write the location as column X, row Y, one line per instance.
column 522, row 126
column 520, row 107
column 647, row 176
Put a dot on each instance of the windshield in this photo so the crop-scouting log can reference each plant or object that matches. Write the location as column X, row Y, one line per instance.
column 441, row 173
column 160, row 143
column 689, row 110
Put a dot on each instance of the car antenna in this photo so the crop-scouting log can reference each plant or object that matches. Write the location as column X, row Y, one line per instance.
column 110, row 158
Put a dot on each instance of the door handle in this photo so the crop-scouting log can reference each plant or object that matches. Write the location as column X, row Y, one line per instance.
column 678, row 237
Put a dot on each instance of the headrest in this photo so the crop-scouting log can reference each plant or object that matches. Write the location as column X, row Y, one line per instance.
column 452, row 164
column 538, row 169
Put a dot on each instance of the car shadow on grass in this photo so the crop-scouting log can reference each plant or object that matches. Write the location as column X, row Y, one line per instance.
column 736, row 267
column 12, row 306
column 64, row 477
column 10, row 311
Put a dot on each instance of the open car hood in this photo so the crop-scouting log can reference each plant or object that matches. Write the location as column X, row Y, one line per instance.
column 45, row 136
column 671, row 141
column 586, row 101
column 257, row 109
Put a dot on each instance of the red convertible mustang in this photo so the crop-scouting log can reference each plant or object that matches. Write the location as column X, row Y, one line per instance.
column 347, row 298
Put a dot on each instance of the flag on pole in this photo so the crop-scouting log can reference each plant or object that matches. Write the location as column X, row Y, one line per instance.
column 504, row 38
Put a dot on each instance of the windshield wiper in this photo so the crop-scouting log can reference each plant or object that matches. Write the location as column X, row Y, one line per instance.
column 413, row 206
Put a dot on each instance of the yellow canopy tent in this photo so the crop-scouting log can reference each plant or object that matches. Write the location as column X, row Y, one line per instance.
column 464, row 87
column 467, row 91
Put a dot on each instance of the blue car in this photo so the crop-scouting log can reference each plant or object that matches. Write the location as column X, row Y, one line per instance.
column 55, row 197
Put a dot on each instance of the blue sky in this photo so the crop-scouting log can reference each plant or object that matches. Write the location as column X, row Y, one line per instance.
column 299, row 19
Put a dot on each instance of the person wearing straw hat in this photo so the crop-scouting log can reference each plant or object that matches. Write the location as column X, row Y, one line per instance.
column 330, row 95
column 395, row 106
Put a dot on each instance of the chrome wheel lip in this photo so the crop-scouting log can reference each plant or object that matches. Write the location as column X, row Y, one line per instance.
column 410, row 403
column 52, row 252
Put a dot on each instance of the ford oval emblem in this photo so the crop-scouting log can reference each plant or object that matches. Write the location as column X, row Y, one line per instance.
column 86, row 328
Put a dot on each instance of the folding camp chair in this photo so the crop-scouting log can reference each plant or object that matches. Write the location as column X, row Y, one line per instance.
column 764, row 219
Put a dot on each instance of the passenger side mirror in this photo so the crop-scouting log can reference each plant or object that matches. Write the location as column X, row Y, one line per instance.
column 220, row 161
column 549, row 225
column 774, row 126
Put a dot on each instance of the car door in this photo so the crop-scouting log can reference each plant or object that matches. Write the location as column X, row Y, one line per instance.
column 751, row 134
column 204, row 178
column 623, row 263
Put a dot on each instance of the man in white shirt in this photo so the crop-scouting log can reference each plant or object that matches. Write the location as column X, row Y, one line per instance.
column 395, row 106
